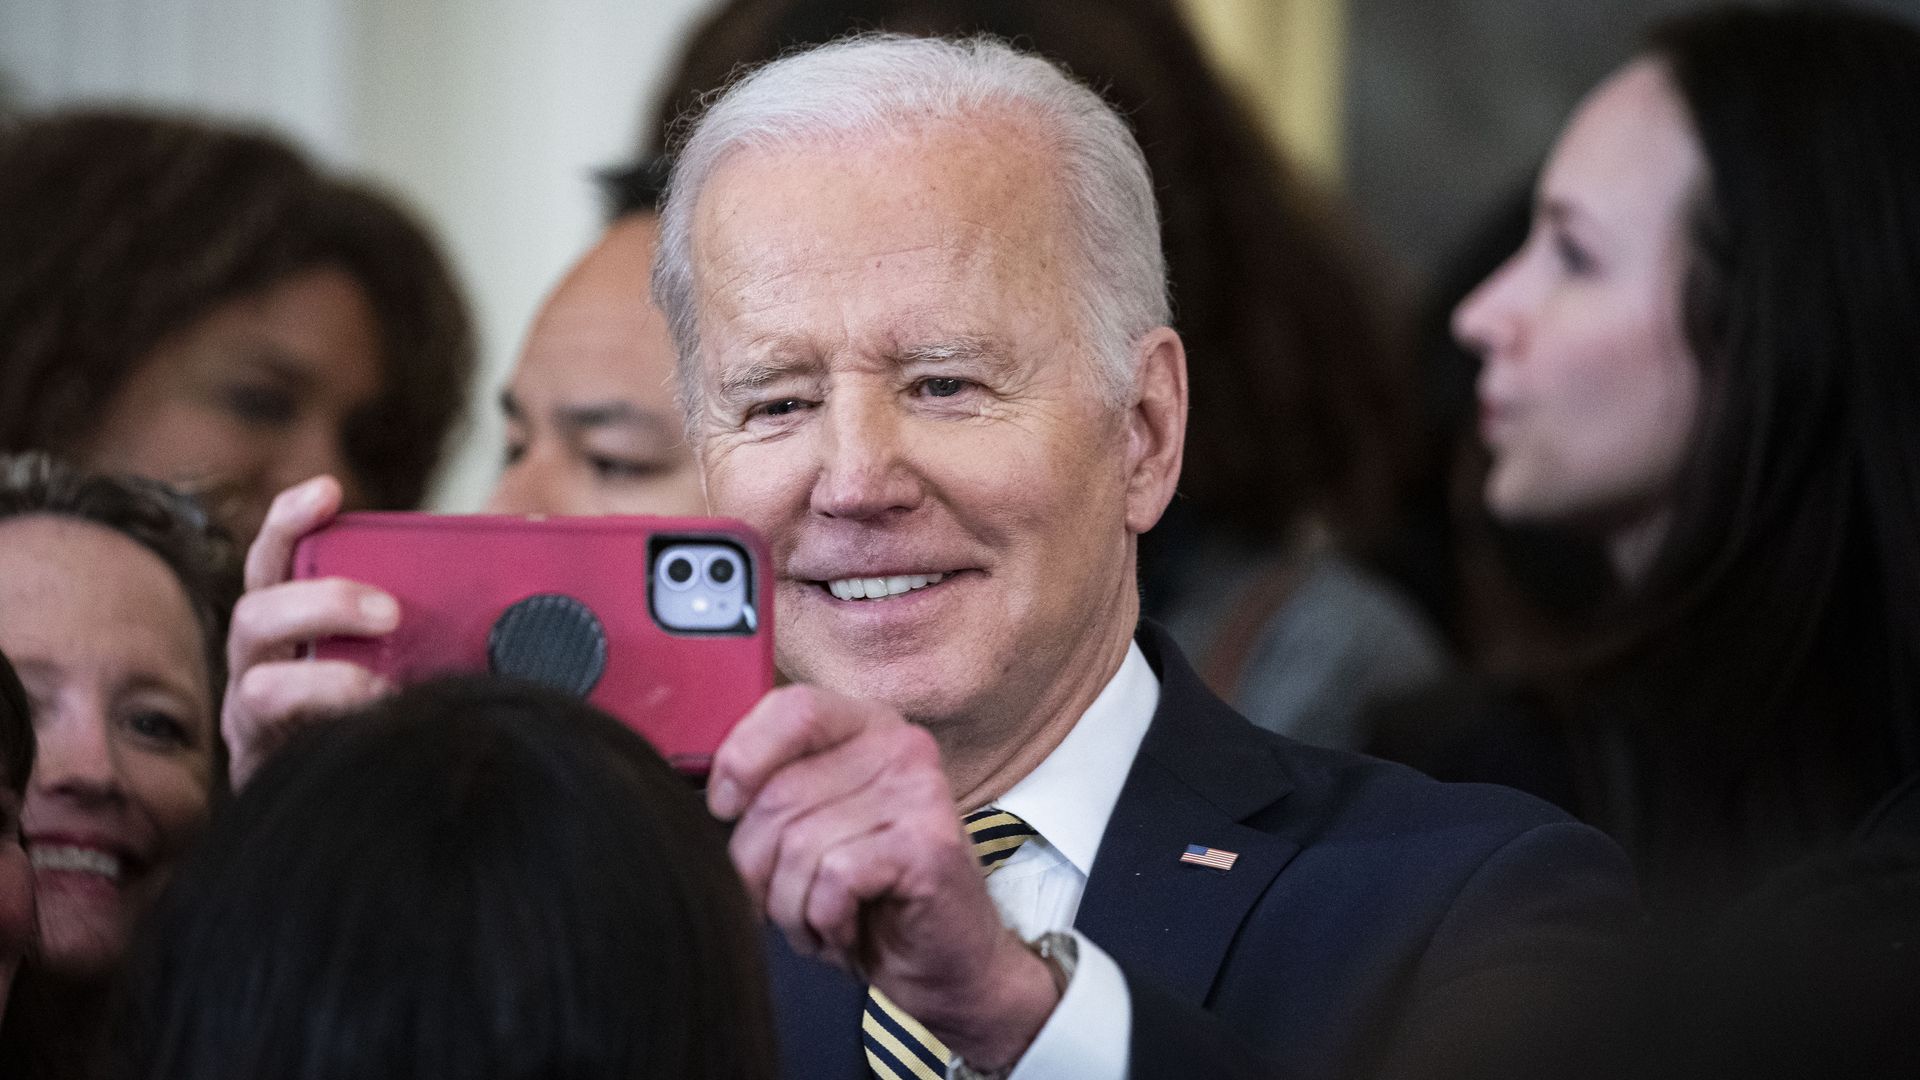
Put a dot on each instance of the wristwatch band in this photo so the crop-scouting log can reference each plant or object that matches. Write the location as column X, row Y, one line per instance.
column 1060, row 951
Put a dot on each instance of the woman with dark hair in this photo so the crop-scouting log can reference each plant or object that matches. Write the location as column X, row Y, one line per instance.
column 470, row 880
column 198, row 304
column 114, row 597
column 16, row 874
column 1293, row 450
column 1704, row 354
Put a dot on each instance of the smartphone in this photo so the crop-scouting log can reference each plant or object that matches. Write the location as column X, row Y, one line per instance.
column 666, row 623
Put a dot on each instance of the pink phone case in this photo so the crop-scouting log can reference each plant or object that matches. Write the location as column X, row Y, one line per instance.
column 455, row 577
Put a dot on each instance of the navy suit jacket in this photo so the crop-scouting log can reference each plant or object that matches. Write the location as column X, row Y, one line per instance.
column 1374, row 915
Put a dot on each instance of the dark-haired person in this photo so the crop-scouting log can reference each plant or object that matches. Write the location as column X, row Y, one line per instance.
column 1293, row 451
column 1704, row 354
column 114, row 596
column 592, row 423
column 197, row 303
column 16, row 873
column 471, row 880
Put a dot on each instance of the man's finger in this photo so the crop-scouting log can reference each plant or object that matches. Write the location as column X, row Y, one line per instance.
column 295, row 512
column 790, row 723
column 863, row 869
column 804, row 794
column 794, row 863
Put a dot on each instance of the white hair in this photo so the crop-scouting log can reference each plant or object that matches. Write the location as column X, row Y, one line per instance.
column 872, row 85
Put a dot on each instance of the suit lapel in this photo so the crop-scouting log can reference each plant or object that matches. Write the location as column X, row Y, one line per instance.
column 1201, row 771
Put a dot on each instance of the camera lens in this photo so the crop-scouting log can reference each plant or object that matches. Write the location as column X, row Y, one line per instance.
column 720, row 570
column 679, row 569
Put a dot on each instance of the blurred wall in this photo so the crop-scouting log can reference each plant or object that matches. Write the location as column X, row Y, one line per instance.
column 1288, row 57
column 489, row 116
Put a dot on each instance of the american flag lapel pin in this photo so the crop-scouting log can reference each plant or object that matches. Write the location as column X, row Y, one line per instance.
column 1211, row 858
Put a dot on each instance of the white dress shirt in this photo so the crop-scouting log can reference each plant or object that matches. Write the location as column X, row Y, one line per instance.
column 1067, row 800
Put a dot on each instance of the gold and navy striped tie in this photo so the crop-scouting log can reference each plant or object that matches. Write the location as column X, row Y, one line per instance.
column 898, row 1048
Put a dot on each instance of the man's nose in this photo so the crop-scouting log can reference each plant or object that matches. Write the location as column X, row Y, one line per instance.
column 866, row 469
column 528, row 486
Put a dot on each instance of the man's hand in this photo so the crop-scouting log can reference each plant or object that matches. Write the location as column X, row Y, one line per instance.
column 269, row 693
column 848, row 839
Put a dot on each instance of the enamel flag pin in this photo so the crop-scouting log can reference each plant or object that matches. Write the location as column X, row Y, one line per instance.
column 1211, row 858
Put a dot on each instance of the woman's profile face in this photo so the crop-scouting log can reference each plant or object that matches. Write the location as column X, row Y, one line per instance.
column 105, row 643
column 255, row 397
column 1588, row 390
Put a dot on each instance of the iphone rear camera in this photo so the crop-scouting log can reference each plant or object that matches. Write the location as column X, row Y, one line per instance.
column 701, row 587
column 679, row 571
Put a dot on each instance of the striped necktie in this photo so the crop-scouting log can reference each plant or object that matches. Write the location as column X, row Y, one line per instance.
column 898, row 1048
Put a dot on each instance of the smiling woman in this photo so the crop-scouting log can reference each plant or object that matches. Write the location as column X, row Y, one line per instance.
column 198, row 304
column 114, row 595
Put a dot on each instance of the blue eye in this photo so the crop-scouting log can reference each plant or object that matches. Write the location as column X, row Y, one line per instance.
column 782, row 407
column 942, row 387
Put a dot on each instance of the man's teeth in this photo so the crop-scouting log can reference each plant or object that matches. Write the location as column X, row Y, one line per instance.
column 880, row 588
column 89, row 860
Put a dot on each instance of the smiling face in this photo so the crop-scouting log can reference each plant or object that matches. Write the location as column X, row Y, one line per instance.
column 895, row 392
column 1589, row 390
column 253, row 398
column 107, row 648
column 592, row 423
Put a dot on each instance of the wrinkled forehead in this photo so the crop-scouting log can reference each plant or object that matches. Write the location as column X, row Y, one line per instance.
column 937, row 222
column 925, row 181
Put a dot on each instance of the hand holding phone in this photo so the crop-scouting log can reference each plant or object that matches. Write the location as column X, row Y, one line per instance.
column 663, row 622
column 270, row 690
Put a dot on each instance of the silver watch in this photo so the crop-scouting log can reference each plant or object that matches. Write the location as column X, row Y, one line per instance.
column 1061, row 952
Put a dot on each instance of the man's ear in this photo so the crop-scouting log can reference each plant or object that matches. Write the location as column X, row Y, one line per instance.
column 1156, row 428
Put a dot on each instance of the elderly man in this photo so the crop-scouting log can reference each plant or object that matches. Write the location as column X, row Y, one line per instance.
column 918, row 296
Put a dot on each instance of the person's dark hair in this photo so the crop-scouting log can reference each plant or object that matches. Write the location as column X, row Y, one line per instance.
column 202, row 557
column 1295, row 408
column 1764, row 690
column 472, row 879
column 122, row 228
column 16, row 730
column 638, row 188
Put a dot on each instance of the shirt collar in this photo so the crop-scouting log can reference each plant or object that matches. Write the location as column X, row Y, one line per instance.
column 1068, row 798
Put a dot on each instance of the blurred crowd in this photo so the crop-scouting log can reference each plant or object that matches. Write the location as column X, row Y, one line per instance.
column 1621, row 514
